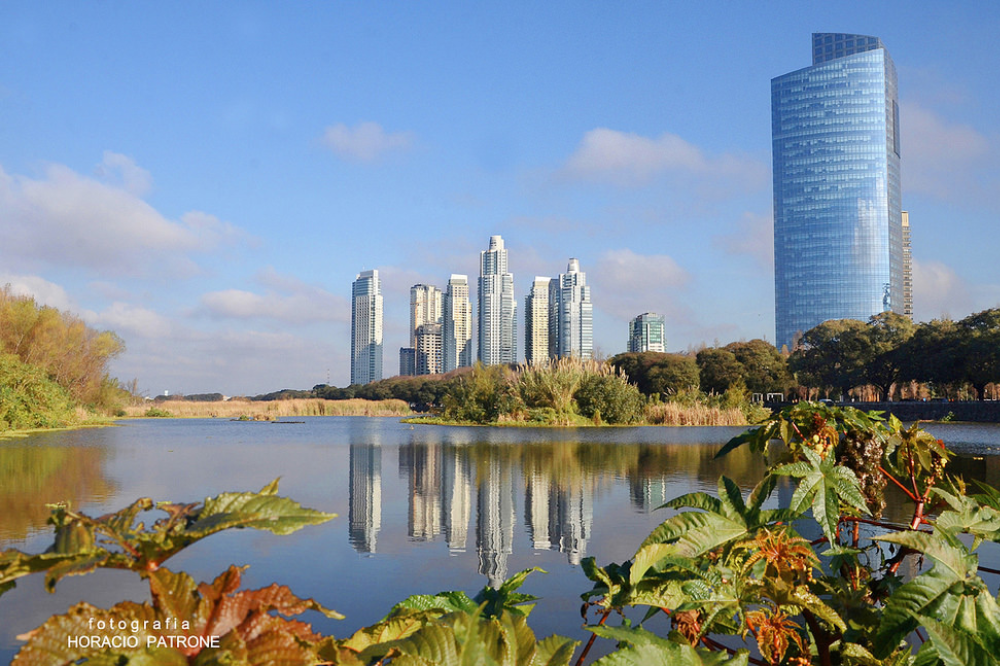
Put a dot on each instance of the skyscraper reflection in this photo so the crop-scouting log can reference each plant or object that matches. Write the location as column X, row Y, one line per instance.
column 365, row 512
column 495, row 517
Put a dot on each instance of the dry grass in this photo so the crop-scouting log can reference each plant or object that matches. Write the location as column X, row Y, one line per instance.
column 697, row 415
column 234, row 409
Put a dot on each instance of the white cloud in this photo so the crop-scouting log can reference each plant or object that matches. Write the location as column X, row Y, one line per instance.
column 365, row 142
column 949, row 161
column 626, row 284
column 66, row 220
column 938, row 291
column 122, row 171
column 129, row 320
column 43, row 291
column 285, row 299
column 628, row 159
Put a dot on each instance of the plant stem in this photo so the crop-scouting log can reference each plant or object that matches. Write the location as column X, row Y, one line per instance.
column 593, row 637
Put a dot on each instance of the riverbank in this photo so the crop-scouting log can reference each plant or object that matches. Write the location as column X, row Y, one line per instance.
column 267, row 410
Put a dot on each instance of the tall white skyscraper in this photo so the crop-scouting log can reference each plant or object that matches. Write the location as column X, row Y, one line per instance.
column 366, row 328
column 497, row 307
column 572, row 327
column 457, row 328
column 536, row 321
column 425, row 308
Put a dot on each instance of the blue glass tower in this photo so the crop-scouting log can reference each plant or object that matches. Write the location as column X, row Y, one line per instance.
column 838, row 238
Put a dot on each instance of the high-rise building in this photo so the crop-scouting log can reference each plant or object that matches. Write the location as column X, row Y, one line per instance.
column 366, row 328
column 497, row 307
column 572, row 328
column 428, row 356
column 456, row 345
column 907, row 268
column 425, row 308
column 536, row 322
column 838, row 239
column 645, row 333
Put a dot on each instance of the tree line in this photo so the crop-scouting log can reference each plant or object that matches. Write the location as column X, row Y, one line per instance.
column 888, row 357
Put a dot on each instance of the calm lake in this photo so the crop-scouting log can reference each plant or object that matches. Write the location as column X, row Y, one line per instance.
column 420, row 509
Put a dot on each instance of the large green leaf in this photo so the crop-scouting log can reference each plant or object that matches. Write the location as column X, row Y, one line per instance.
column 930, row 594
column 647, row 649
column 956, row 647
column 823, row 487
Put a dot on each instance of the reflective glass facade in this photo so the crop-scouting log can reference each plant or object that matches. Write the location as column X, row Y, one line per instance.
column 837, row 224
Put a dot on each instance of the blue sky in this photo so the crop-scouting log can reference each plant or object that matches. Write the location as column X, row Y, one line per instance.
column 206, row 179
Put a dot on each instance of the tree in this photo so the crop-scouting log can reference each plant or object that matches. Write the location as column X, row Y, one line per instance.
column 765, row 370
column 656, row 373
column 832, row 354
column 979, row 349
column 930, row 355
column 718, row 369
column 887, row 335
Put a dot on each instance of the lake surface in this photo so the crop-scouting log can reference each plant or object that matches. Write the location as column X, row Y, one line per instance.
column 420, row 509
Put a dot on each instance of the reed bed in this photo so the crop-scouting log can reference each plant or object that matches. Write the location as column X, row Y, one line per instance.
column 674, row 414
column 261, row 409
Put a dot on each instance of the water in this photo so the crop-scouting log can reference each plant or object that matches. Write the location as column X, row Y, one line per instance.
column 420, row 509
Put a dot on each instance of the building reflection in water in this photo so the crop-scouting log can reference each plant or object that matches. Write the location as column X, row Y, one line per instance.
column 561, row 482
column 495, row 516
column 457, row 496
column 559, row 518
column 365, row 512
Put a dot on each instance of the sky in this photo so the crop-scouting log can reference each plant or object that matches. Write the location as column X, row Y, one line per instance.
column 207, row 179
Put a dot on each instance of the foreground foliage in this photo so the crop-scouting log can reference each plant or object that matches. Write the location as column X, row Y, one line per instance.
column 820, row 577
column 819, row 580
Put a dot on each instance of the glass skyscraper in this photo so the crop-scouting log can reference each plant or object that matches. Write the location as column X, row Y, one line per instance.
column 838, row 239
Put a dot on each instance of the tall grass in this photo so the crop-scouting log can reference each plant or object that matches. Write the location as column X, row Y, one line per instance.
column 234, row 409
column 671, row 413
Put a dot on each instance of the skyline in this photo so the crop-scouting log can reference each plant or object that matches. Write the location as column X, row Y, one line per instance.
column 207, row 183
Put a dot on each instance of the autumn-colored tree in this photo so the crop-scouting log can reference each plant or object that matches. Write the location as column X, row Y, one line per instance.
column 71, row 353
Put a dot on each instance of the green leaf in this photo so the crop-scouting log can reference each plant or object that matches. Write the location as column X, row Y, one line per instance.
column 956, row 647
column 927, row 594
column 554, row 651
column 647, row 649
column 823, row 486
column 262, row 511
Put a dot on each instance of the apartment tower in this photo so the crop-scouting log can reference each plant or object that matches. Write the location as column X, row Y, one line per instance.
column 366, row 328
column 536, row 322
column 497, row 307
column 456, row 345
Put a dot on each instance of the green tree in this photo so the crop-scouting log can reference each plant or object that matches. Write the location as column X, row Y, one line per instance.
column 887, row 336
column 931, row 354
column 765, row 369
column 718, row 369
column 979, row 349
column 656, row 373
column 832, row 355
